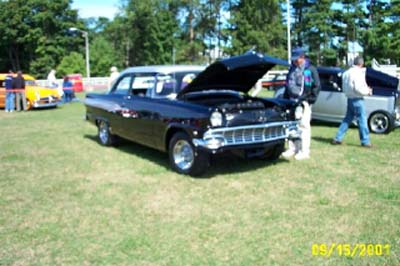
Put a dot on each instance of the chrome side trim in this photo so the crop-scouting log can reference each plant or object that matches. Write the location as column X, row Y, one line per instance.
column 216, row 138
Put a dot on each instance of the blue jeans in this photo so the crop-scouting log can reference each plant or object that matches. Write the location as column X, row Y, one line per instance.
column 355, row 109
column 10, row 101
column 67, row 96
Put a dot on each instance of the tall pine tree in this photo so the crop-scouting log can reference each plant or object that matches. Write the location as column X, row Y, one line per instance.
column 257, row 23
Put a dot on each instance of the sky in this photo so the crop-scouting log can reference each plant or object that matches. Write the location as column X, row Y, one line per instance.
column 96, row 8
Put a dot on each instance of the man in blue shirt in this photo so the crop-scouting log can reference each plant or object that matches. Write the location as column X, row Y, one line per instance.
column 10, row 95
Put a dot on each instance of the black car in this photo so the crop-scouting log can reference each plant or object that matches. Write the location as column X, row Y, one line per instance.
column 192, row 113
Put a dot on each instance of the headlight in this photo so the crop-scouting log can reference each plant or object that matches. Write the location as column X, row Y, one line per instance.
column 298, row 112
column 216, row 119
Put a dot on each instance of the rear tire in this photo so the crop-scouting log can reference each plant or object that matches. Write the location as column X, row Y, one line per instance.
column 104, row 134
column 184, row 158
column 380, row 122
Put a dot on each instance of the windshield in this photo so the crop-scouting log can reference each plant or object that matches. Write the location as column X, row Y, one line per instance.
column 169, row 85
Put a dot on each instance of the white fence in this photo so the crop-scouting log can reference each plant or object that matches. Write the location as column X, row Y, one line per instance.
column 89, row 84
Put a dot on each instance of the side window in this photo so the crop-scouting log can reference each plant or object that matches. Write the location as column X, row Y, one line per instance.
column 330, row 82
column 143, row 84
column 123, row 86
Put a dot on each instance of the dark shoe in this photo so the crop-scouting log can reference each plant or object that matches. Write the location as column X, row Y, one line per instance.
column 369, row 145
column 335, row 142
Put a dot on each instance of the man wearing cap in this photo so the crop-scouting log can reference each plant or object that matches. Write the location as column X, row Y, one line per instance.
column 355, row 87
column 302, row 85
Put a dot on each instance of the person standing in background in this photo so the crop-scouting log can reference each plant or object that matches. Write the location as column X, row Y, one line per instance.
column 113, row 76
column 18, row 84
column 68, row 89
column 355, row 87
column 10, row 95
column 51, row 79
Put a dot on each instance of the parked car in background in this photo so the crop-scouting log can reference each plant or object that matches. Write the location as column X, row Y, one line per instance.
column 36, row 96
column 382, row 107
column 163, row 107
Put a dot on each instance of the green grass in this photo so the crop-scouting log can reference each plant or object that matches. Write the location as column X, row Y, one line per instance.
column 66, row 200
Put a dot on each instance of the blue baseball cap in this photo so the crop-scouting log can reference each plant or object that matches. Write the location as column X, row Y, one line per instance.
column 296, row 53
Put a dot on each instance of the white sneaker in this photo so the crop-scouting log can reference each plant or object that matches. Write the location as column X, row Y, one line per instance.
column 301, row 156
column 6, row 111
column 288, row 154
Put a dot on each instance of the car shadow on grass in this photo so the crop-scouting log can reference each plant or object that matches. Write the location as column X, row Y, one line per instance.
column 220, row 164
column 228, row 163
column 138, row 150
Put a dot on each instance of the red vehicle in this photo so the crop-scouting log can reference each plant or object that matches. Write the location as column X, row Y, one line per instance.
column 77, row 83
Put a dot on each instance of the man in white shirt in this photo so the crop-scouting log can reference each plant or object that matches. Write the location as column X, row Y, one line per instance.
column 355, row 87
column 113, row 76
column 51, row 79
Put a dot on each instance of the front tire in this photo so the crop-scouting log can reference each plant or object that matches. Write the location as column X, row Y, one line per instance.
column 274, row 153
column 380, row 122
column 104, row 134
column 184, row 158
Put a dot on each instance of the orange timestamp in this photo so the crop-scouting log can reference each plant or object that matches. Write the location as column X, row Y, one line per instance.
column 350, row 250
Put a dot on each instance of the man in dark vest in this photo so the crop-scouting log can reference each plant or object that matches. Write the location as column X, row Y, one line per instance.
column 18, row 85
column 303, row 86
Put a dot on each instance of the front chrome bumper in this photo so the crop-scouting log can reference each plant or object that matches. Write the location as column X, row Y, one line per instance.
column 214, row 139
column 46, row 102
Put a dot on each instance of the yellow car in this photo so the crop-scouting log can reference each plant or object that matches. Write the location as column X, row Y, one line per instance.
column 36, row 96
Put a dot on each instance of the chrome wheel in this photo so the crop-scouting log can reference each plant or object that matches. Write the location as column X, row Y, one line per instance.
column 379, row 123
column 104, row 133
column 183, row 154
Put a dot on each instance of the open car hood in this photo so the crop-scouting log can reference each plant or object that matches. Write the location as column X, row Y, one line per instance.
column 382, row 83
column 238, row 73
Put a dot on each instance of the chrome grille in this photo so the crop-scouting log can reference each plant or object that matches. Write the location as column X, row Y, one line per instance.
column 247, row 135
column 251, row 134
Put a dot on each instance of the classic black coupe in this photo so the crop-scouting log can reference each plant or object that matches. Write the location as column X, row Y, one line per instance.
column 191, row 112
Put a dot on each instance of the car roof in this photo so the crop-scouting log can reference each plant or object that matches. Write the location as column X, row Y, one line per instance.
column 325, row 69
column 165, row 69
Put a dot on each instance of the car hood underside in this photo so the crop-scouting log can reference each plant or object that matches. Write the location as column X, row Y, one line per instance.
column 239, row 73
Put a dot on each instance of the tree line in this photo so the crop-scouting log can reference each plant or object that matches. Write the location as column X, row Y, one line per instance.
column 35, row 34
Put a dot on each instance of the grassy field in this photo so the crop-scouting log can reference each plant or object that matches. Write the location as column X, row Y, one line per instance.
column 66, row 200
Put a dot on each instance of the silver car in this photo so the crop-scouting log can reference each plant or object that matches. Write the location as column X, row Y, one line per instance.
column 382, row 107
